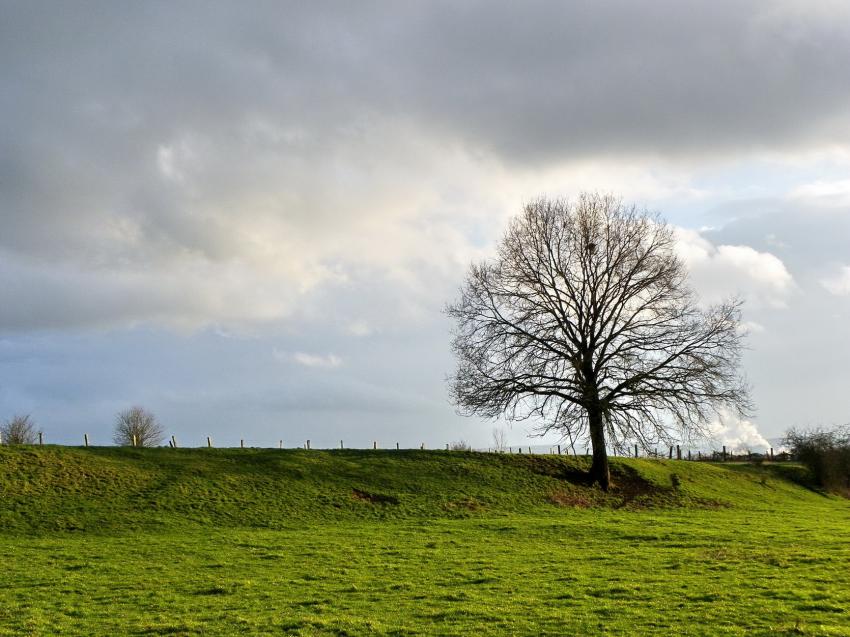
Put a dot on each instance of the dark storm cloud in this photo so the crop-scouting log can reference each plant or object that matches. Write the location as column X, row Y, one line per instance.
column 538, row 79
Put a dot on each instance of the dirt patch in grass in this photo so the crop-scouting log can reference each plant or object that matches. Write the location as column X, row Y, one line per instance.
column 570, row 499
column 464, row 504
column 373, row 498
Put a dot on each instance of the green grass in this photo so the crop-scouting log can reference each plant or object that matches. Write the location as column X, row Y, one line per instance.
column 223, row 542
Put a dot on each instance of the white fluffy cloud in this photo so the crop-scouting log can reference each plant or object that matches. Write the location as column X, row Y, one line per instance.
column 761, row 278
column 737, row 434
column 839, row 283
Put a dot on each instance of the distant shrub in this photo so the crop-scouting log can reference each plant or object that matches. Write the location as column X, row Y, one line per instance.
column 825, row 453
column 460, row 445
column 19, row 430
column 137, row 426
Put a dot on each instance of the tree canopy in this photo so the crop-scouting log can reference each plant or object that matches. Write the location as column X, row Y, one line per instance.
column 585, row 321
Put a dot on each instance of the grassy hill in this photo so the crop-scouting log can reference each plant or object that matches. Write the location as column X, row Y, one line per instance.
column 257, row 542
column 48, row 489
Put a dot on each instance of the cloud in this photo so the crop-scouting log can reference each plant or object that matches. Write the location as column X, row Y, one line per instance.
column 717, row 272
column 360, row 328
column 835, row 191
column 223, row 167
column 328, row 361
column 737, row 434
column 838, row 284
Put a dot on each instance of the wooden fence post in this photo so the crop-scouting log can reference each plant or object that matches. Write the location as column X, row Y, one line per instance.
column 636, row 453
column 174, row 442
column 447, row 446
column 689, row 454
column 396, row 446
column 771, row 453
column 308, row 444
column 559, row 450
column 678, row 452
column 40, row 438
column 374, row 444
column 135, row 440
column 242, row 443
column 86, row 438
column 209, row 442
column 280, row 444
column 340, row 445
column 724, row 453
column 671, row 452
column 422, row 446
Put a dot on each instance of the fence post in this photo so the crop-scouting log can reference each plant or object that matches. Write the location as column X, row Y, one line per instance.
column 447, row 446
column 374, row 444
column 174, row 442
column 86, row 438
column 134, row 440
column 678, row 452
column 280, row 444
column 699, row 455
column 724, row 453
column 40, row 438
column 340, row 445
column 771, row 453
column 396, row 446
column 689, row 454
column 242, row 443
column 308, row 444
column 636, row 453
column 209, row 442
column 671, row 452
column 422, row 447
column 559, row 450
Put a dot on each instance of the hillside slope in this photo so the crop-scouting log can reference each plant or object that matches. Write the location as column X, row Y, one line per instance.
column 48, row 489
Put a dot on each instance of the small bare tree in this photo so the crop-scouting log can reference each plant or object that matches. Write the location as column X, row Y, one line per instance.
column 139, row 427
column 500, row 439
column 585, row 321
column 19, row 430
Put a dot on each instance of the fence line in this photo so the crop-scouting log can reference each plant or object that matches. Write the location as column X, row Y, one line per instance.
column 722, row 455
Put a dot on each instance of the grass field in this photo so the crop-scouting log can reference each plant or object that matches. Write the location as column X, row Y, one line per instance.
column 227, row 542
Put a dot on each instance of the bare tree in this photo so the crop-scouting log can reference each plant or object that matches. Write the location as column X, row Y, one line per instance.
column 500, row 439
column 19, row 430
column 585, row 321
column 139, row 427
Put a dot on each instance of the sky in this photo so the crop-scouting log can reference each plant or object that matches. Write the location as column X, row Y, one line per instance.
column 248, row 216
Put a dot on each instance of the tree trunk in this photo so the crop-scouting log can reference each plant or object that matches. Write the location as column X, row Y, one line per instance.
column 599, row 471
